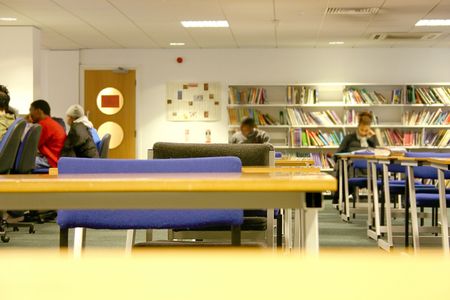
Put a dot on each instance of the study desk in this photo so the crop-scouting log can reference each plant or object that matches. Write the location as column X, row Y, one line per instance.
column 294, row 162
column 215, row 273
column 177, row 191
column 442, row 165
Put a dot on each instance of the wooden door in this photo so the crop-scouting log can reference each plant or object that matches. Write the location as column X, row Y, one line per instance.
column 110, row 103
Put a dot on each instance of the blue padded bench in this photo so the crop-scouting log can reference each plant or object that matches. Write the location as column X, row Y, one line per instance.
column 149, row 219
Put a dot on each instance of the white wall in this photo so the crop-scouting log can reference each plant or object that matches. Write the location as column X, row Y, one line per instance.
column 250, row 66
column 19, row 62
column 59, row 75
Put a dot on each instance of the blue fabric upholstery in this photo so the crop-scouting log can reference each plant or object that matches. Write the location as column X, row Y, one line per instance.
column 149, row 219
column 9, row 145
column 428, row 172
column 430, row 200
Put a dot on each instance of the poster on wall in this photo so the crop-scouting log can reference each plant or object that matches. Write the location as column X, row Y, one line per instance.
column 189, row 102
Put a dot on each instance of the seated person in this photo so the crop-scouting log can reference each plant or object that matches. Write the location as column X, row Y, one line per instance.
column 6, row 116
column 249, row 134
column 364, row 137
column 52, row 135
column 79, row 142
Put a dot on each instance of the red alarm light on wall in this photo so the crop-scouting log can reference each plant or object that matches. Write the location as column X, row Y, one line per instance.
column 179, row 60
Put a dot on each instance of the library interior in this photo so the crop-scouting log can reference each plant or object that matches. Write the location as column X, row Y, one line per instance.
column 198, row 149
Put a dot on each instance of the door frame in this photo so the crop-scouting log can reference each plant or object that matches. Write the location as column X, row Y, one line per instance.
column 83, row 68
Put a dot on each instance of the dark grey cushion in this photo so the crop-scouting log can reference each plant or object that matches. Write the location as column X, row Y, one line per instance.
column 249, row 154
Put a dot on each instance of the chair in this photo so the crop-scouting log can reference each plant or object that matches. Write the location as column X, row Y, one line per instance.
column 428, row 197
column 26, row 156
column 9, row 146
column 24, row 164
column 250, row 155
column 103, row 150
column 147, row 219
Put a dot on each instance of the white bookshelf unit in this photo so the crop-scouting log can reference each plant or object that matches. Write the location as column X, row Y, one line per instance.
column 275, row 106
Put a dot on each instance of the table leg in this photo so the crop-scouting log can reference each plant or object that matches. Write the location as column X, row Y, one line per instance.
column 270, row 224
column 387, row 204
column 346, row 196
column 311, row 230
column 341, row 187
column 443, row 210
column 288, row 229
column 412, row 202
column 375, row 199
column 369, row 196
column 297, row 229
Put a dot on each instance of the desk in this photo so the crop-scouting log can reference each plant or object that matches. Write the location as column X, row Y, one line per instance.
column 200, row 273
column 256, row 170
column 294, row 162
column 441, row 164
column 178, row 191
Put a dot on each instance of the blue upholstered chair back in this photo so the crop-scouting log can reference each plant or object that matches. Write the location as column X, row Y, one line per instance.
column 428, row 172
column 103, row 149
column 26, row 155
column 10, row 144
column 145, row 219
column 69, row 165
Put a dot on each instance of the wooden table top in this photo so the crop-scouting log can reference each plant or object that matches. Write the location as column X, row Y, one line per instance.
column 439, row 161
column 205, row 273
column 301, row 169
column 175, row 182
column 294, row 162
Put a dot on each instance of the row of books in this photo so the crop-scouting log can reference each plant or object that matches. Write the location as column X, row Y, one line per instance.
column 304, row 138
column 351, row 118
column 362, row 96
column 322, row 160
column 236, row 115
column 431, row 95
column 247, row 96
column 297, row 117
column 301, row 95
column 394, row 137
column 437, row 117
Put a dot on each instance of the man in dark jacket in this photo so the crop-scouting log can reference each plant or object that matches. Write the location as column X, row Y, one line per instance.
column 79, row 142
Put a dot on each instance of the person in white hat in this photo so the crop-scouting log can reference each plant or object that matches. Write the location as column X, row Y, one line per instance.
column 81, row 138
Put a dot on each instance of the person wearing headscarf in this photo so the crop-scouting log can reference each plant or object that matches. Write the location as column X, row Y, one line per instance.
column 79, row 142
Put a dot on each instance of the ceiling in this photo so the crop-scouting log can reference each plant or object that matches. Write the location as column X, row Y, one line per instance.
column 84, row 24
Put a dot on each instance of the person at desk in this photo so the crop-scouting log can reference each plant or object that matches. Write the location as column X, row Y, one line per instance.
column 249, row 134
column 6, row 116
column 52, row 137
column 80, row 141
column 364, row 137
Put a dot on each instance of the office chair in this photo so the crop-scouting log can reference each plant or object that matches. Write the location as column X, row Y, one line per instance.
column 103, row 151
column 9, row 146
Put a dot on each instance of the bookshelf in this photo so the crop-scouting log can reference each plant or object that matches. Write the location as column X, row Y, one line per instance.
column 327, row 112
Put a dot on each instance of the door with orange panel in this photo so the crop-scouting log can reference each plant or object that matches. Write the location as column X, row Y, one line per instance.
column 110, row 103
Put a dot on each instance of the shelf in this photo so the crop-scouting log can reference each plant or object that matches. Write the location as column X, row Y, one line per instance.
column 283, row 105
column 304, row 147
column 381, row 126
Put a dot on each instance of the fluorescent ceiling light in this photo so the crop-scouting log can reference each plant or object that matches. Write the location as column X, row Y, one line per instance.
column 189, row 24
column 433, row 22
column 8, row 19
column 336, row 43
column 176, row 44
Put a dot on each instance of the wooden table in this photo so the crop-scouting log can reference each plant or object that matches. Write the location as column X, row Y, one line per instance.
column 180, row 191
column 294, row 162
column 304, row 169
column 442, row 165
column 204, row 274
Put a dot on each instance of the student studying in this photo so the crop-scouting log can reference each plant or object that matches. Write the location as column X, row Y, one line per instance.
column 52, row 137
column 364, row 137
column 80, row 140
column 249, row 134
